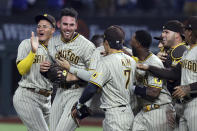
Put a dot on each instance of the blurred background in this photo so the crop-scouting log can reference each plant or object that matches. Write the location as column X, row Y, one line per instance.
column 17, row 22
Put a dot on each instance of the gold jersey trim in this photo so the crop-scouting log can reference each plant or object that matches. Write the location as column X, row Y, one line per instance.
column 140, row 61
column 95, row 84
column 74, row 37
column 174, row 49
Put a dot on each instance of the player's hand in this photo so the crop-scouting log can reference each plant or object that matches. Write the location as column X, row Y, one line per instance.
column 45, row 66
column 63, row 63
column 142, row 66
column 162, row 56
column 34, row 42
column 181, row 91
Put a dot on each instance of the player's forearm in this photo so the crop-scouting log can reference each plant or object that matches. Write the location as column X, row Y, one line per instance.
column 25, row 64
column 88, row 93
column 81, row 73
column 167, row 73
column 193, row 87
column 149, row 93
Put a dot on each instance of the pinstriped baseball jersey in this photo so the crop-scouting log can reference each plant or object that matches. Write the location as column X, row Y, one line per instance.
column 33, row 79
column 189, row 66
column 78, row 52
column 149, row 80
column 155, row 119
column 97, row 55
column 33, row 108
column 115, row 74
column 188, row 76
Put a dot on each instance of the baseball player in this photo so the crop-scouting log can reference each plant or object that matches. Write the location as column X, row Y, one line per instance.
column 114, row 74
column 153, row 95
column 186, row 92
column 76, row 49
column 32, row 99
column 171, row 54
column 174, row 46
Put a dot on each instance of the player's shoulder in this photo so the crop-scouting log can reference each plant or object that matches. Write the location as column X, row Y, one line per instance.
column 85, row 41
column 178, row 51
column 55, row 39
column 154, row 60
column 25, row 43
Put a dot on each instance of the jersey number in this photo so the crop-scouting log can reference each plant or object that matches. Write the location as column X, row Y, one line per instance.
column 127, row 74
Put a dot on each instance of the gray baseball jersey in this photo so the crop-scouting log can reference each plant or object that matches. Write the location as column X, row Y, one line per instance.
column 188, row 76
column 78, row 52
column 115, row 75
column 33, row 108
column 153, row 120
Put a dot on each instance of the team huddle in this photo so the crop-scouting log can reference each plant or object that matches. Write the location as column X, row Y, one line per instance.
column 140, row 91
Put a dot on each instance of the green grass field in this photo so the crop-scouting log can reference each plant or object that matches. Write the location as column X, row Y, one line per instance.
column 20, row 127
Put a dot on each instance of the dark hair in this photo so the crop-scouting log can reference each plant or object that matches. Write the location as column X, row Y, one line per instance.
column 69, row 12
column 115, row 36
column 97, row 40
column 144, row 38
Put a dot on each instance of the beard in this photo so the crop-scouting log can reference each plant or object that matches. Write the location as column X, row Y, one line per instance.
column 134, row 52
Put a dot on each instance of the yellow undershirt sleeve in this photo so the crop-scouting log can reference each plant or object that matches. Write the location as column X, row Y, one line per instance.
column 25, row 64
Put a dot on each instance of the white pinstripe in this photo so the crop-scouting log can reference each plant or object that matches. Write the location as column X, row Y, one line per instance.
column 118, row 119
column 188, row 76
column 33, row 109
column 153, row 120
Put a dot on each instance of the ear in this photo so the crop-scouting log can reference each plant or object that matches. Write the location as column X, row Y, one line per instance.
column 58, row 24
column 53, row 30
column 77, row 23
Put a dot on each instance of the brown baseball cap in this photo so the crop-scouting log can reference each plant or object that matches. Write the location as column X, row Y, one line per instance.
column 191, row 23
column 47, row 17
column 175, row 26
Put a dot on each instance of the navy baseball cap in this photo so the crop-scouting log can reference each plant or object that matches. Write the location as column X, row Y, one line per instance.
column 175, row 26
column 191, row 23
column 47, row 17
column 115, row 36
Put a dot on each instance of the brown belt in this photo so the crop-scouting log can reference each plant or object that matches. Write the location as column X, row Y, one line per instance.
column 45, row 93
column 153, row 106
column 64, row 86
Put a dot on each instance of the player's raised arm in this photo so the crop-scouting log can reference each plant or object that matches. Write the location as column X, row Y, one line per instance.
column 34, row 42
column 25, row 64
column 164, row 73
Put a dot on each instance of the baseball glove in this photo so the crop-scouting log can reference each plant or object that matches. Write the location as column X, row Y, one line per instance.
column 56, row 74
column 79, row 112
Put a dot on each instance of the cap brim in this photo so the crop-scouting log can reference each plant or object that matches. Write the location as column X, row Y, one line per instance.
column 158, row 38
column 40, row 17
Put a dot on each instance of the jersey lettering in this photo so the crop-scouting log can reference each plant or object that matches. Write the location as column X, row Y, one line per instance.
column 127, row 74
column 190, row 65
column 126, row 62
column 68, row 55
column 39, row 58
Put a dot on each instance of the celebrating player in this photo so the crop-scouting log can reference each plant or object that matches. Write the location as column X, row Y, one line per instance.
column 114, row 74
column 186, row 92
column 154, row 96
column 32, row 99
column 76, row 49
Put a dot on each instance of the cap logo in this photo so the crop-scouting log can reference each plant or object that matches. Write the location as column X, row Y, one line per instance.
column 117, row 41
column 45, row 15
column 190, row 26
